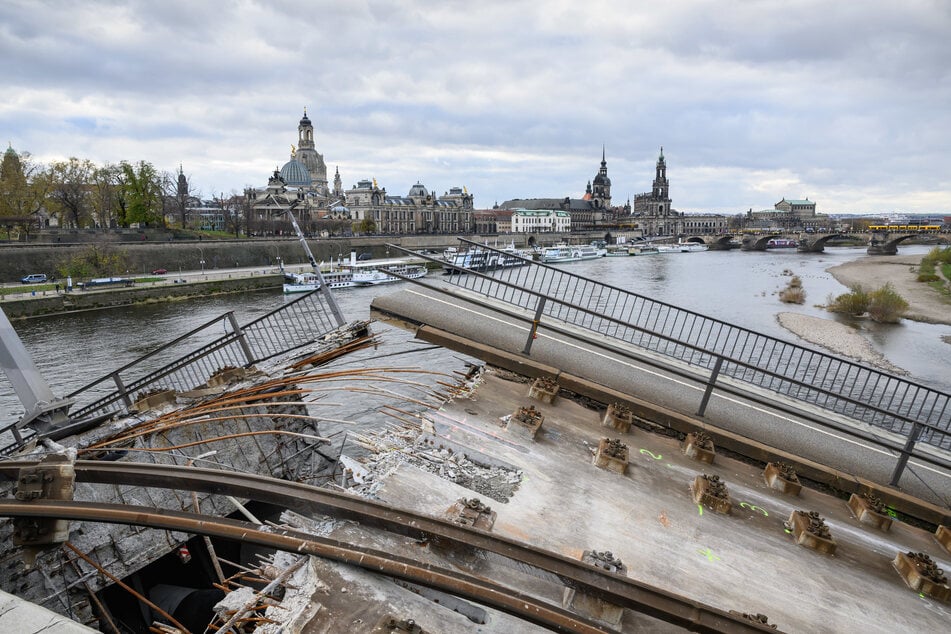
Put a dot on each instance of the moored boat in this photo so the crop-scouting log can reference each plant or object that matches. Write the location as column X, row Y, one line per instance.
column 367, row 276
column 479, row 259
column 643, row 249
column 782, row 243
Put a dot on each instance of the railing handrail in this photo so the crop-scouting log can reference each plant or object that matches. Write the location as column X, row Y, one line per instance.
column 726, row 358
column 728, row 335
column 701, row 315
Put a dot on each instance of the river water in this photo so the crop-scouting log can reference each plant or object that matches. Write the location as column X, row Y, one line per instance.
column 738, row 287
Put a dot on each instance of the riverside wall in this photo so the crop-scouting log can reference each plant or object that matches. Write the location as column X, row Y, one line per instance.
column 52, row 303
column 153, row 251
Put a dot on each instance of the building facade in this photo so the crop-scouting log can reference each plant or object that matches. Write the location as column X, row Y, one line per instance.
column 366, row 208
column 653, row 210
column 420, row 211
column 540, row 221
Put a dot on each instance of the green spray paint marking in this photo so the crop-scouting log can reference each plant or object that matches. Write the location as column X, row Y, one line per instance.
column 651, row 454
column 700, row 508
column 754, row 508
column 706, row 552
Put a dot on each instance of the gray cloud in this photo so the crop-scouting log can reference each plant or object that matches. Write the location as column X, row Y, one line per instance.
column 752, row 100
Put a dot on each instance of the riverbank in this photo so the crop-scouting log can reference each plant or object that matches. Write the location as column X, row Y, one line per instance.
column 925, row 304
column 839, row 338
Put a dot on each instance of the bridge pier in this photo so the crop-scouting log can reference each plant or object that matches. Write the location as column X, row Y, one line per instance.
column 876, row 247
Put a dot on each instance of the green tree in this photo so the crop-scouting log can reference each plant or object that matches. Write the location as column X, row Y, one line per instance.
column 69, row 191
column 23, row 188
column 94, row 261
column 367, row 226
column 140, row 191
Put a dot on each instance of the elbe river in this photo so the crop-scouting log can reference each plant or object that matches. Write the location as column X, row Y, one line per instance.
column 740, row 288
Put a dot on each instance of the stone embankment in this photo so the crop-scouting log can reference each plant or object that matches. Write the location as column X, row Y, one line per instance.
column 51, row 303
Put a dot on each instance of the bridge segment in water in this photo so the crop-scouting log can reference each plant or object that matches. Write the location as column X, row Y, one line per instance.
column 859, row 420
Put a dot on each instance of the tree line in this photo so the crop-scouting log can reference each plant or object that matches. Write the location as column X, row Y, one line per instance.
column 78, row 194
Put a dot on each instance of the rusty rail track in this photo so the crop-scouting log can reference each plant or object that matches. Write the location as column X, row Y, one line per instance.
column 456, row 582
column 621, row 591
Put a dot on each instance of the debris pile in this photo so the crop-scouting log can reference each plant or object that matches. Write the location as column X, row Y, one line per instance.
column 390, row 448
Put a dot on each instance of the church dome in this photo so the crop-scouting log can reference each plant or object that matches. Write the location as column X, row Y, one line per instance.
column 418, row 191
column 295, row 174
column 304, row 120
column 601, row 179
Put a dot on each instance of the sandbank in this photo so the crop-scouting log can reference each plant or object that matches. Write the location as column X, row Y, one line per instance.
column 839, row 338
column 924, row 303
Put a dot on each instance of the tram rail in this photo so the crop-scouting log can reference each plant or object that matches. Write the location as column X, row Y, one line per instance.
column 621, row 591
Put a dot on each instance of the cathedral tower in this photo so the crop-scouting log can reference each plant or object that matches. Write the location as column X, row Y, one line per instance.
column 601, row 189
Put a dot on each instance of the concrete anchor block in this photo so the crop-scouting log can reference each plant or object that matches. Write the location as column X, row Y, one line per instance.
column 711, row 492
column 618, row 417
column 922, row 575
column 227, row 376
column 543, row 389
column 781, row 477
column 943, row 535
column 810, row 530
column 150, row 401
column 525, row 422
column 591, row 606
column 472, row 512
column 391, row 625
column 868, row 510
column 611, row 455
column 699, row 446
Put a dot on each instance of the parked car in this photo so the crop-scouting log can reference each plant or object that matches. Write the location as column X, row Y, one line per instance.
column 34, row 278
column 159, row 271
column 366, row 255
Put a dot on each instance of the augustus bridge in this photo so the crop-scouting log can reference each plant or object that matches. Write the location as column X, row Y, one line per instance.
column 879, row 242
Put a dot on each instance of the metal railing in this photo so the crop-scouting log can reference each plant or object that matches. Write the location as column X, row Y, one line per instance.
column 190, row 360
column 718, row 349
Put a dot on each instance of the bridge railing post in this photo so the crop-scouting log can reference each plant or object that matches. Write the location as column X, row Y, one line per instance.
column 710, row 383
column 905, row 454
column 533, row 331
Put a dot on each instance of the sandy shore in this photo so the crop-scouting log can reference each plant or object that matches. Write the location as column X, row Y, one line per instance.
column 839, row 338
column 924, row 304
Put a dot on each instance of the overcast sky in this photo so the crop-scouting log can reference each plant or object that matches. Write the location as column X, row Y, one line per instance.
column 846, row 103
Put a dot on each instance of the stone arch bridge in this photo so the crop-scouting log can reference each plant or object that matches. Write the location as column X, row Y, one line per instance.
column 879, row 242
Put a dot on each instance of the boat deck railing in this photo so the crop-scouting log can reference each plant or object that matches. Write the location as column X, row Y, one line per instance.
column 192, row 359
column 723, row 355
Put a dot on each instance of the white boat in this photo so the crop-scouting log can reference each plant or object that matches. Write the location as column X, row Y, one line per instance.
column 381, row 274
column 618, row 252
column 681, row 247
column 643, row 249
column 479, row 259
column 570, row 253
column 692, row 247
column 307, row 282
column 352, row 273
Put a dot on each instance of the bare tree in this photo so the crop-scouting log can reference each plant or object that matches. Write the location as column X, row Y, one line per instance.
column 69, row 191
column 180, row 195
column 232, row 211
column 104, row 195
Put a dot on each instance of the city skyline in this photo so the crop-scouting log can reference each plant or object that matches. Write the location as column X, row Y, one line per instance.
column 752, row 101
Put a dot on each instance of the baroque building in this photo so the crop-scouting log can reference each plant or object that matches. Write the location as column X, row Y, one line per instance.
column 653, row 211
column 420, row 211
column 590, row 212
column 366, row 208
